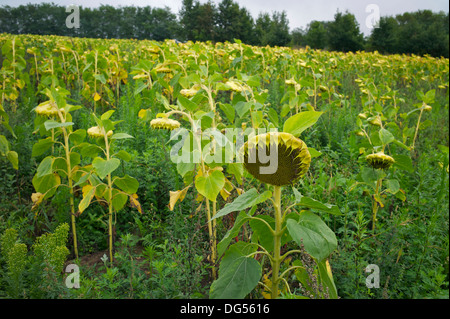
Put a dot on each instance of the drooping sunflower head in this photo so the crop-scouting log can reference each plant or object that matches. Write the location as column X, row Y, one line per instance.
column 276, row 158
column 48, row 108
column 427, row 108
column 163, row 69
column 189, row 92
column 375, row 121
column 96, row 131
column 164, row 123
column 234, row 86
column 380, row 160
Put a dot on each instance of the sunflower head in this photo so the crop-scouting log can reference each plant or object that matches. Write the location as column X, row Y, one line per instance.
column 234, row 86
column 48, row 108
column 290, row 82
column 427, row 108
column 362, row 116
column 163, row 69
column 164, row 123
column 276, row 158
column 188, row 92
column 375, row 121
column 380, row 160
column 95, row 131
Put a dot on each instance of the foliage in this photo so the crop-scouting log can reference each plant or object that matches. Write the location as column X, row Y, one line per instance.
column 421, row 32
column 376, row 191
column 36, row 275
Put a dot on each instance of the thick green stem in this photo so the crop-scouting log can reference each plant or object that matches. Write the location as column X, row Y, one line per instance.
column 69, row 183
column 375, row 203
column 417, row 130
column 71, row 202
column 110, row 208
column 276, row 242
column 212, row 238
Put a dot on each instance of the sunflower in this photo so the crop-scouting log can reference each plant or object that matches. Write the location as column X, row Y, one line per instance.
column 375, row 121
column 164, row 123
column 427, row 108
column 95, row 131
column 234, row 86
column 380, row 160
column 188, row 92
column 163, row 69
column 292, row 155
column 48, row 108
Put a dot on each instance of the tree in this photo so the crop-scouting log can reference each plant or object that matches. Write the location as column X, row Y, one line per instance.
column 187, row 18
column 127, row 24
column 272, row 31
column 316, row 35
column 263, row 29
column 298, row 37
column 198, row 21
column 234, row 22
column 384, row 38
column 164, row 23
column 280, row 29
column 426, row 33
column 344, row 34
column 206, row 22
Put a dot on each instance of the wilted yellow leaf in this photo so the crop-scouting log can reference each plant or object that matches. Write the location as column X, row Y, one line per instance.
column 142, row 113
column 177, row 196
column 135, row 203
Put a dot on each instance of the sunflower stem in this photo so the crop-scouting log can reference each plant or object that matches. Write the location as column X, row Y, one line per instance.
column 276, row 242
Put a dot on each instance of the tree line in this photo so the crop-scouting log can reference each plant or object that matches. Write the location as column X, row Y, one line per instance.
column 421, row 32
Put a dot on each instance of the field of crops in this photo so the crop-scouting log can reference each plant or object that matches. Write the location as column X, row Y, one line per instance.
column 143, row 169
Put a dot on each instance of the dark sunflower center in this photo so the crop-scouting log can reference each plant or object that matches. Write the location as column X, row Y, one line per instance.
column 275, row 165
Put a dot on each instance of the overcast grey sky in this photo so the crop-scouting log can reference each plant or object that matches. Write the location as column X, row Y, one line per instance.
column 299, row 12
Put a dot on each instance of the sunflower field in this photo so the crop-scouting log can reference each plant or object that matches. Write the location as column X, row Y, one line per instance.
column 165, row 170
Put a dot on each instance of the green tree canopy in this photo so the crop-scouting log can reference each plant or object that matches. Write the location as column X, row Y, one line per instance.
column 344, row 34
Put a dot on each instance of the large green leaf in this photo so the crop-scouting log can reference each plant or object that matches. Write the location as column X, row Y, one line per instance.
column 127, row 183
column 403, row 162
column 246, row 200
column 45, row 167
column 46, row 184
column 386, row 137
column 187, row 104
column 41, row 146
column 53, row 124
column 299, row 122
column 326, row 279
column 262, row 232
column 310, row 230
column 105, row 167
column 210, row 185
column 77, row 136
column 242, row 218
column 238, row 274
column 392, row 186
column 13, row 158
column 118, row 200
column 314, row 204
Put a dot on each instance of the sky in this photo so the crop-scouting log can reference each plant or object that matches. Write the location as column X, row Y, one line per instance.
column 299, row 12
